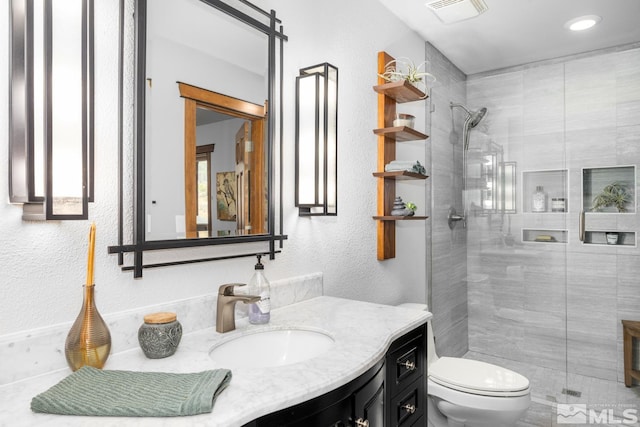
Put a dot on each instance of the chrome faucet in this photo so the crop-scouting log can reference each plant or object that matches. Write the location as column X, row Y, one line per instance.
column 225, row 313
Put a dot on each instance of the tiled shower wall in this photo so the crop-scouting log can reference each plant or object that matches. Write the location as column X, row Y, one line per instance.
column 553, row 304
column 448, row 269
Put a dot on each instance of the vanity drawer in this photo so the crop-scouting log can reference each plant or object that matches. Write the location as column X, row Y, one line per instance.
column 405, row 364
column 407, row 407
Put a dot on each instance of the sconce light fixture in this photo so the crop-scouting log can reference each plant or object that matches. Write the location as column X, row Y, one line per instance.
column 317, row 140
column 51, row 108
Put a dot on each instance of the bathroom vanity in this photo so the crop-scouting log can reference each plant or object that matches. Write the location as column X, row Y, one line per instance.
column 391, row 393
column 374, row 369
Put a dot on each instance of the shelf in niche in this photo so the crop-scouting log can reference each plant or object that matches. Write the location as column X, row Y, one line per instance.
column 400, row 175
column 555, row 183
column 596, row 178
column 544, row 235
column 597, row 237
column 401, row 133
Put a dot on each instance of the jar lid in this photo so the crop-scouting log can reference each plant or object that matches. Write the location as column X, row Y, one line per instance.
column 161, row 317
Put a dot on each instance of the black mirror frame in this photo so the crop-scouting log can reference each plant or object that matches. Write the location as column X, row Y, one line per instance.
column 274, row 32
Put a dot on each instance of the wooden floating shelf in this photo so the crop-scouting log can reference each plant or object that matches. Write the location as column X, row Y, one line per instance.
column 401, row 91
column 399, row 218
column 401, row 133
column 400, row 175
column 390, row 94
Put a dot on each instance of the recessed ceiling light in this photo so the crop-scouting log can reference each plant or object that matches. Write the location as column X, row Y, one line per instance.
column 582, row 22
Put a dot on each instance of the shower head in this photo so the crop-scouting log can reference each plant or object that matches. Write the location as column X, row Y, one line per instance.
column 473, row 117
column 472, row 120
column 476, row 117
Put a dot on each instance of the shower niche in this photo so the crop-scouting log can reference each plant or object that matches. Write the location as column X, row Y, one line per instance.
column 609, row 189
column 608, row 197
column 545, row 200
column 554, row 185
column 544, row 236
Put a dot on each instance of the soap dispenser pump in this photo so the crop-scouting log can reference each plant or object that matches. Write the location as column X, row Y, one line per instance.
column 259, row 312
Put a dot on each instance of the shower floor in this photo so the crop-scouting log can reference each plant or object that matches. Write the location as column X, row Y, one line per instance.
column 550, row 387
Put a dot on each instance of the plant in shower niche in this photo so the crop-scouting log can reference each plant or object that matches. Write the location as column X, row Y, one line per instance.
column 614, row 194
column 405, row 69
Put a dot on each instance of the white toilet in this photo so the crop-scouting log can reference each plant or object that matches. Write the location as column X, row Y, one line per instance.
column 463, row 392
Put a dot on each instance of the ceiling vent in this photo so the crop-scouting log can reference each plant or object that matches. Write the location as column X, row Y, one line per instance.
column 450, row 11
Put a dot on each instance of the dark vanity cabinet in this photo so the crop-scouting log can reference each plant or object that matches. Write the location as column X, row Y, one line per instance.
column 406, row 380
column 390, row 394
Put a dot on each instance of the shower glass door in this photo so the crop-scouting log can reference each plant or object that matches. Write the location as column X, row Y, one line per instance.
column 553, row 264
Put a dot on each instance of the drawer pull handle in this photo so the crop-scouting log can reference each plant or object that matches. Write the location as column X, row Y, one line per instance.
column 409, row 408
column 411, row 366
column 362, row 423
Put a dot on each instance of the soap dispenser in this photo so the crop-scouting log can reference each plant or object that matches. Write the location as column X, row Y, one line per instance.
column 259, row 312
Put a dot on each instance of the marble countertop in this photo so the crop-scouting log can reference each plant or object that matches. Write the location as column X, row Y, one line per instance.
column 362, row 333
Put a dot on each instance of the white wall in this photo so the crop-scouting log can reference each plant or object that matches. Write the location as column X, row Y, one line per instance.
column 42, row 265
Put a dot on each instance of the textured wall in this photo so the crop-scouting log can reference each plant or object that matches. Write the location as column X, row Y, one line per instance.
column 43, row 264
column 558, row 305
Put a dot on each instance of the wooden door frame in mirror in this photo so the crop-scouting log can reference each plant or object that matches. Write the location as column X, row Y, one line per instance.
column 195, row 97
column 260, row 20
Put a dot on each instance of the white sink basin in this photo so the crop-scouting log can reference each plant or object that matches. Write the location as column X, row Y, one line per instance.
column 271, row 348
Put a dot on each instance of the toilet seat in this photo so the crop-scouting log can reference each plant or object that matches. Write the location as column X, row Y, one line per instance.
column 475, row 377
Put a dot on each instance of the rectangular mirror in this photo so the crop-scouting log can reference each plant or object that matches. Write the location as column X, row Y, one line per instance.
column 207, row 137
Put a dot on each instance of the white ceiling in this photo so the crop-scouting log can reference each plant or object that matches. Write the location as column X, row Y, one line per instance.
column 515, row 32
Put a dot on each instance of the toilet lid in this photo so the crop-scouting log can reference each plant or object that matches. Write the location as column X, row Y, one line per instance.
column 477, row 377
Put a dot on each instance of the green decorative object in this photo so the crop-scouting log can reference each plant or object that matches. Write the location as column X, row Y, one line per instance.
column 614, row 194
column 400, row 208
column 405, row 69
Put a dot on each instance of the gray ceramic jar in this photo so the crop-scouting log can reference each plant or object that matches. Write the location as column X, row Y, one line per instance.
column 160, row 335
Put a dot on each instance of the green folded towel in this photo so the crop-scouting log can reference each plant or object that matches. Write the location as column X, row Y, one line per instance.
column 91, row 391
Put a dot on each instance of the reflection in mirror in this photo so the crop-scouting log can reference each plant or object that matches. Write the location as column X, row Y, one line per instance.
column 509, row 186
column 182, row 46
column 224, row 147
column 486, row 179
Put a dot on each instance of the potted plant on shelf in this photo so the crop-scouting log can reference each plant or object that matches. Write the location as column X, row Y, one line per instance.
column 614, row 194
column 405, row 69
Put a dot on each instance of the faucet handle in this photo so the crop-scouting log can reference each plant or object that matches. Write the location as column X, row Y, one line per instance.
column 227, row 289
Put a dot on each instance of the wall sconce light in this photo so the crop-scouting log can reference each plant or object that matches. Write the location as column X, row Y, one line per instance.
column 317, row 140
column 51, row 108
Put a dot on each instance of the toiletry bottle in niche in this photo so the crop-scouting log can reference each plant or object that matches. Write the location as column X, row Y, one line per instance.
column 539, row 200
column 259, row 312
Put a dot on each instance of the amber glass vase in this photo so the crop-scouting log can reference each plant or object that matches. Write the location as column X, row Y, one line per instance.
column 89, row 340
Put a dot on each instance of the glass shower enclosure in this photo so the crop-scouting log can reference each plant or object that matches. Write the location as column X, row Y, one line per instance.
column 552, row 223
